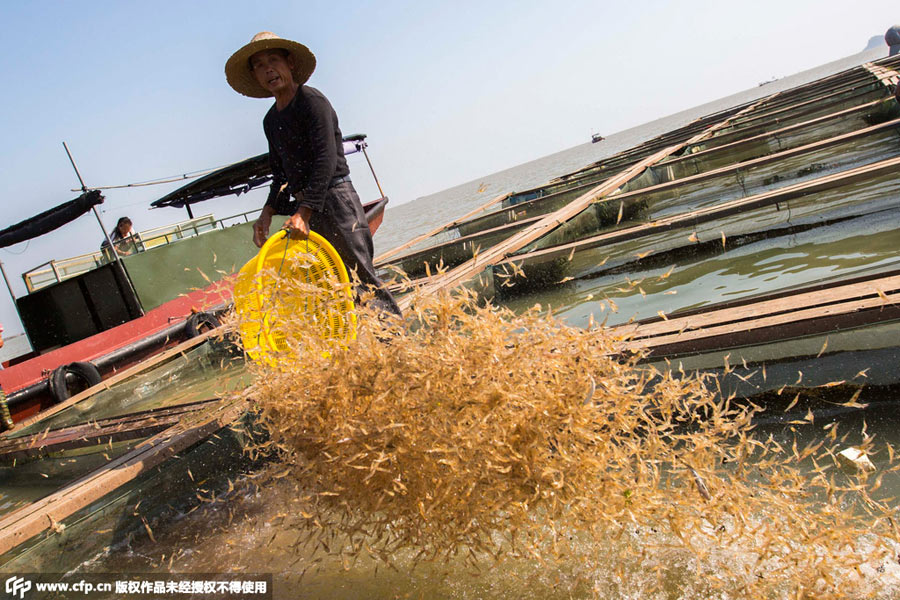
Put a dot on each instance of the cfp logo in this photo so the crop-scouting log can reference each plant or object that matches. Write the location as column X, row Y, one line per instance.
column 17, row 585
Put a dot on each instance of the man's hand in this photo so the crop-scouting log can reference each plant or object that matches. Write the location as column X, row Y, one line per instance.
column 261, row 227
column 298, row 223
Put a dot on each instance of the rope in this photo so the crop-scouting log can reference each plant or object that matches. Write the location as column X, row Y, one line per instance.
column 25, row 249
column 168, row 179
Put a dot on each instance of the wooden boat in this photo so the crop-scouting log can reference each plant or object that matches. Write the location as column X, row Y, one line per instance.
column 72, row 474
column 810, row 165
column 88, row 317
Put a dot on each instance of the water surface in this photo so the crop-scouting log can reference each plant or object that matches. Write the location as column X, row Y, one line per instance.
column 249, row 536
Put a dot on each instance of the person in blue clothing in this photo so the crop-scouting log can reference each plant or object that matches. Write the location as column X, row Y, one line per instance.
column 310, row 177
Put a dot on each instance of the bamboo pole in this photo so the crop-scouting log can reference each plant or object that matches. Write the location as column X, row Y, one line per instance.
column 112, row 247
column 710, row 213
column 8, row 286
column 446, row 226
column 21, row 525
column 88, row 435
column 133, row 370
column 889, row 286
column 500, row 251
column 799, row 317
column 371, row 168
column 888, row 77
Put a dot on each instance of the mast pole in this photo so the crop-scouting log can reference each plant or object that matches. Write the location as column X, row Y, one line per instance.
column 366, row 154
column 15, row 305
column 112, row 247
column 8, row 286
column 84, row 189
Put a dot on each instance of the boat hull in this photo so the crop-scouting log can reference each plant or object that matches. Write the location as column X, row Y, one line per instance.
column 25, row 383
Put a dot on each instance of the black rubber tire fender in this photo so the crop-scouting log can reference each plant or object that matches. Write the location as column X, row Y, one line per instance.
column 194, row 323
column 84, row 372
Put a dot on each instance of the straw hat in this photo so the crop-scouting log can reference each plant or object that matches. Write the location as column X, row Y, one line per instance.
column 240, row 77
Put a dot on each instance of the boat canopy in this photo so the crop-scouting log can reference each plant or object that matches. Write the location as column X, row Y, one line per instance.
column 234, row 179
column 237, row 178
column 49, row 220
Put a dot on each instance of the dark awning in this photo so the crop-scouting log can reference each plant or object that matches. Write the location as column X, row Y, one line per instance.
column 237, row 179
column 234, row 179
column 49, row 220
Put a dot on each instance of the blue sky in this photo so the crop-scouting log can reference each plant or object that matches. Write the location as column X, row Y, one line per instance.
column 447, row 92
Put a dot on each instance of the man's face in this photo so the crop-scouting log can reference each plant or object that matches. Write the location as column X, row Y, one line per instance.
column 272, row 70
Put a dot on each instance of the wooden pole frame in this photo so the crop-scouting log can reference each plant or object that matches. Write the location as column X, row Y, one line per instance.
column 21, row 525
column 500, row 251
column 383, row 257
column 711, row 212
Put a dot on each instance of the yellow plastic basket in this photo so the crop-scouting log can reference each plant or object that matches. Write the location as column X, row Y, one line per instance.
column 262, row 302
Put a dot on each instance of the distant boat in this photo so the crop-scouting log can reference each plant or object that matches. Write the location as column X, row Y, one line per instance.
column 596, row 138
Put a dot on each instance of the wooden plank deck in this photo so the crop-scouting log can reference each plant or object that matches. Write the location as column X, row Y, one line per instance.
column 23, row 524
column 790, row 316
column 103, row 431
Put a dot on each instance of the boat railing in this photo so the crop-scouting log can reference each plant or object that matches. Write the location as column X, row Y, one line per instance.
column 161, row 236
column 56, row 271
column 237, row 219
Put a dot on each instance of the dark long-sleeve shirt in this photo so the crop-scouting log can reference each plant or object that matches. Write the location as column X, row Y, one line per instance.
column 305, row 148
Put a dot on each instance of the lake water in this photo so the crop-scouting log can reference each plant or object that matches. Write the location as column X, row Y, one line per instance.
column 210, row 541
column 424, row 214
column 864, row 246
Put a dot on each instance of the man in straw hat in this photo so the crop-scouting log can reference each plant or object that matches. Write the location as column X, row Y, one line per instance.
column 311, row 180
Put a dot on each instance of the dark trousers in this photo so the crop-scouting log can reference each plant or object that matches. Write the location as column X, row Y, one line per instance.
column 343, row 223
